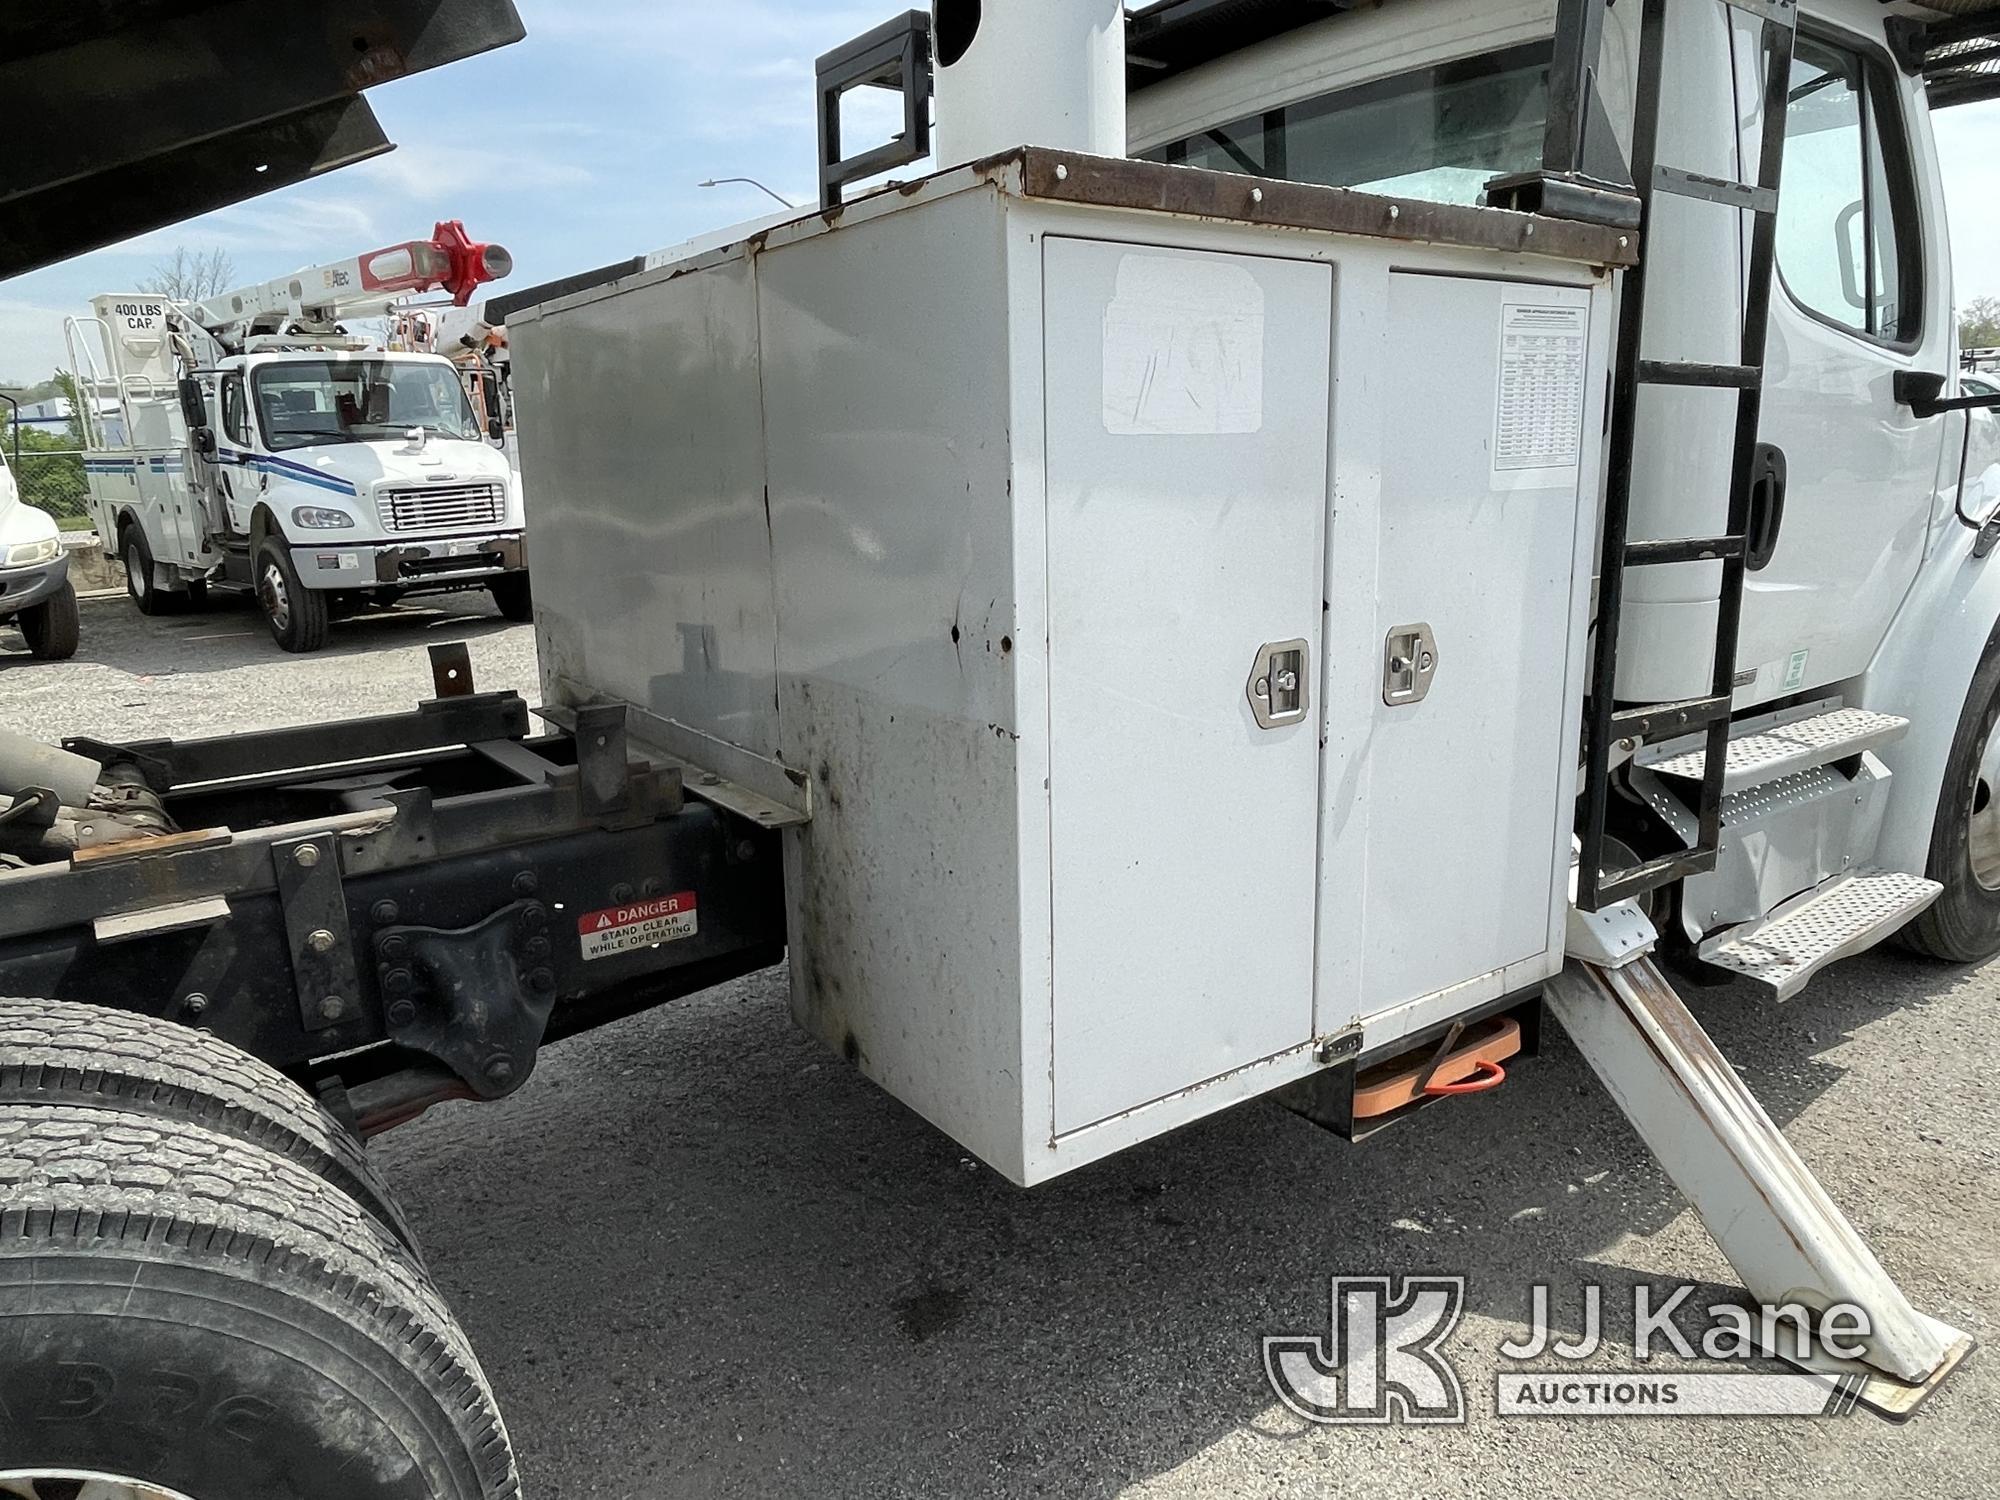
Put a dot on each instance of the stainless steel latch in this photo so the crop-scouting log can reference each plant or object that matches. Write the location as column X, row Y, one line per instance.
column 1279, row 695
column 1409, row 662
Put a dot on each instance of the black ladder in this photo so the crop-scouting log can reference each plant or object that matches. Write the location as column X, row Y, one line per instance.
column 1610, row 728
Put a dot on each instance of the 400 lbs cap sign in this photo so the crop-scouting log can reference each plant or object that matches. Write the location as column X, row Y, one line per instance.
column 643, row 924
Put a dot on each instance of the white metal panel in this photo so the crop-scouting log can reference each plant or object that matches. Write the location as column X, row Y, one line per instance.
column 892, row 495
column 650, row 547
column 1187, row 490
column 1447, row 818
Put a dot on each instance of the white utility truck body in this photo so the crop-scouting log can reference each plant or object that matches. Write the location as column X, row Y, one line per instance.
column 252, row 442
column 984, row 570
column 984, row 504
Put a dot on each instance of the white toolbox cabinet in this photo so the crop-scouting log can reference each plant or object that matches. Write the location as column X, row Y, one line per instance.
column 1169, row 605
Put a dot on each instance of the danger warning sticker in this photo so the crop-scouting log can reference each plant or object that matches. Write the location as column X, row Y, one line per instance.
column 644, row 924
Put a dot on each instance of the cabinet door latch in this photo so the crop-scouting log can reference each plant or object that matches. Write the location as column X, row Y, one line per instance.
column 1279, row 696
column 1409, row 662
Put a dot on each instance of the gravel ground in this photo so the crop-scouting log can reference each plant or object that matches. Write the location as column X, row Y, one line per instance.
column 701, row 1258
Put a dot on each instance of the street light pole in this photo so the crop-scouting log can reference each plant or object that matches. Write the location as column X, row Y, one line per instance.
column 753, row 182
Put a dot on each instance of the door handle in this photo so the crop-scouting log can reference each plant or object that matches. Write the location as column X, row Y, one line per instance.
column 1767, row 505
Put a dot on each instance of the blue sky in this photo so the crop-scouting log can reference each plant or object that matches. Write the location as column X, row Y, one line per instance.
column 583, row 145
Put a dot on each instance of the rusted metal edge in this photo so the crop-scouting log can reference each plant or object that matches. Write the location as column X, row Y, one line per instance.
column 1117, row 182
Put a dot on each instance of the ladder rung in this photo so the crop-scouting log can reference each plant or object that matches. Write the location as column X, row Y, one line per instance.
column 1759, row 200
column 1714, row 377
column 1653, row 874
column 1660, row 719
column 1778, row 12
column 1683, row 549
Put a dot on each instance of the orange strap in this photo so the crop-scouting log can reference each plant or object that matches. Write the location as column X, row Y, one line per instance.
column 1490, row 1075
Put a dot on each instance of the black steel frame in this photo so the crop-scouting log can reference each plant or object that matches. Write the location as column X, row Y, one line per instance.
column 318, row 857
column 896, row 55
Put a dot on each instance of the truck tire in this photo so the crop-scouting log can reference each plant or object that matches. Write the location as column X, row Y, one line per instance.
column 140, row 583
column 1963, row 925
column 190, row 1314
column 516, row 600
column 298, row 616
column 53, row 628
column 64, row 1052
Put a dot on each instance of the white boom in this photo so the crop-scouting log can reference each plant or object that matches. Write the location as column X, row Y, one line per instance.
column 364, row 285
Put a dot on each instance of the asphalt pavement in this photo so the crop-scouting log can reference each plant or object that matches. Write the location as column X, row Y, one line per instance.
column 701, row 1257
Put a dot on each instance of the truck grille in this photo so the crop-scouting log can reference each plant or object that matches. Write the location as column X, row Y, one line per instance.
column 444, row 507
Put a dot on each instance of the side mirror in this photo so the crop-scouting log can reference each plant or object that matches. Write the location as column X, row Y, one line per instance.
column 204, row 441
column 1920, row 390
column 193, row 408
column 496, row 429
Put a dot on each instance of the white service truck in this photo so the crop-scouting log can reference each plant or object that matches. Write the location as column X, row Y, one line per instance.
column 249, row 441
column 1476, row 506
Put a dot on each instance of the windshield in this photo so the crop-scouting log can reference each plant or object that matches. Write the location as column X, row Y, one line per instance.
column 1439, row 133
column 303, row 402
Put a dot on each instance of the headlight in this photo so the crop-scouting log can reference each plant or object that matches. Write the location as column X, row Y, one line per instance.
column 27, row 554
column 315, row 519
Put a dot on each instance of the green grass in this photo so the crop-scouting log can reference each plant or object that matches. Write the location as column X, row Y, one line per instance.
column 75, row 523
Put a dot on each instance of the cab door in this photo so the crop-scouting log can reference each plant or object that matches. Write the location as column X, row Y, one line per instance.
column 237, row 477
column 1858, row 299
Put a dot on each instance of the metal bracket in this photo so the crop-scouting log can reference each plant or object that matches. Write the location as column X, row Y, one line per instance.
column 477, row 999
column 895, row 56
column 315, row 905
column 601, row 757
column 451, row 670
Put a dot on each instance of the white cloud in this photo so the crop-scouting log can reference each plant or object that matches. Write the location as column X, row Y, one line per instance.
column 431, row 172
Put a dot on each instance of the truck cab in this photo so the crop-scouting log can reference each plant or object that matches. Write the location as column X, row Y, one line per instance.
column 354, row 473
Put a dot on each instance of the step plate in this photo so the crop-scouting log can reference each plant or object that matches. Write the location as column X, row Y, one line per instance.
column 1845, row 916
column 1781, row 749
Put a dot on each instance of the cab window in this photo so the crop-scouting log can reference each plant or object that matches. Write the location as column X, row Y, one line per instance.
column 1438, row 133
column 1847, row 230
column 235, row 412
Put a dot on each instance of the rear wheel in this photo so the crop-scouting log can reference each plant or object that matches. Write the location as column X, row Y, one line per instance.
column 63, row 1052
column 1963, row 924
column 515, row 599
column 298, row 616
column 54, row 628
column 207, row 1320
column 139, row 581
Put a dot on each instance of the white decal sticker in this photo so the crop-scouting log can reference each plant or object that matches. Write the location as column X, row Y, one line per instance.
column 1183, row 349
column 1795, row 671
column 1539, row 424
column 644, row 924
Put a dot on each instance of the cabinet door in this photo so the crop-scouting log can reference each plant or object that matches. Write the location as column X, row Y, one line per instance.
column 1188, row 402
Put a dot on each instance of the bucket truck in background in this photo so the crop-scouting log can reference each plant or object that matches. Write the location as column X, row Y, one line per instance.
column 251, row 441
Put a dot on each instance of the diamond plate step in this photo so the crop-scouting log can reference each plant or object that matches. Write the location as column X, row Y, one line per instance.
column 1763, row 751
column 1847, row 915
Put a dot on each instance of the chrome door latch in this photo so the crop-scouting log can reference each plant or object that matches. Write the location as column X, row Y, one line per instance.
column 1279, row 696
column 1409, row 662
